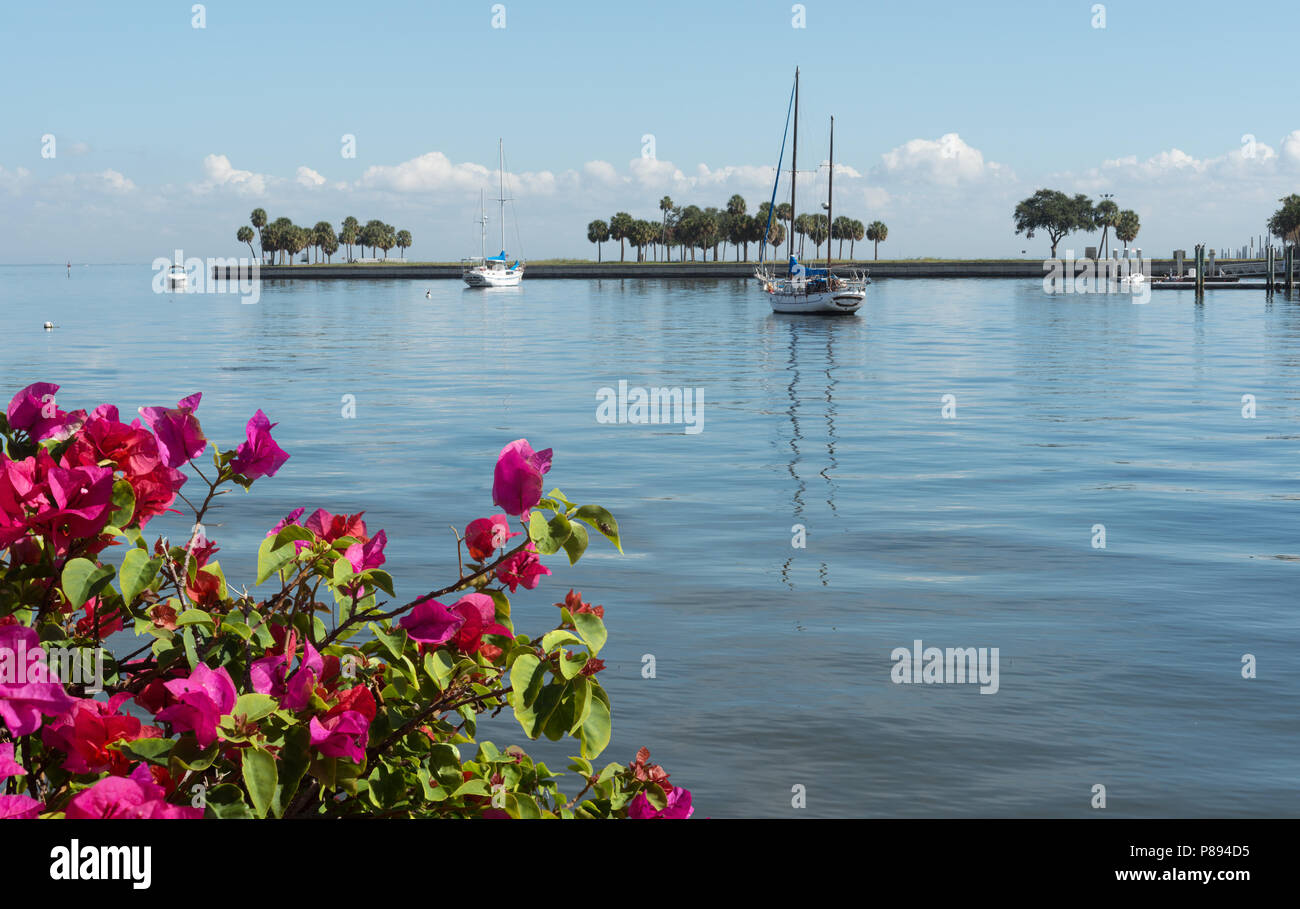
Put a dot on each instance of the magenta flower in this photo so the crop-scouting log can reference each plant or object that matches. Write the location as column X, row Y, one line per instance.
column 485, row 536
column 522, row 568
column 34, row 412
column 344, row 731
column 83, row 500
column 8, row 766
column 19, row 807
column 480, row 615
column 268, row 676
column 180, row 438
column 27, row 687
column 341, row 735
column 136, row 796
column 260, row 456
column 431, row 623
column 201, row 701
column 291, row 518
column 678, row 807
column 367, row 555
column 517, row 480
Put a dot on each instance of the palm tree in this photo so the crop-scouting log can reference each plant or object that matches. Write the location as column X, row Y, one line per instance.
column 619, row 227
column 598, row 233
column 372, row 235
column 277, row 237
column 403, row 242
column 877, row 233
column 1104, row 216
column 859, row 231
column 842, row 230
column 245, row 235
column 349, row 232
column 321, row 234
column 665, row 206
column 258, row 220
column 1127, row 225
column 388, row 239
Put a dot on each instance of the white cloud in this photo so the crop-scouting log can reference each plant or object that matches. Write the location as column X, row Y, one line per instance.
column 219, row 172
column 946, row 161
column 309, row 177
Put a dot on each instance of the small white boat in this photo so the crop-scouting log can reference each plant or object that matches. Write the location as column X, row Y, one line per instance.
column 176, row 278
column 492, row 271
column 816, row 291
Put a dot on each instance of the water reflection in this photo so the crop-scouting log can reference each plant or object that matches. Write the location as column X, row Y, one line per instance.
column 809, row 391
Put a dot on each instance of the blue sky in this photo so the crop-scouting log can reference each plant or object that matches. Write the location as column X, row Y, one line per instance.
column 946, row 114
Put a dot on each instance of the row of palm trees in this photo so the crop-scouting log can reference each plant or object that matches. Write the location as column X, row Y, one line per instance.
column 287, row 239
column 694, row 228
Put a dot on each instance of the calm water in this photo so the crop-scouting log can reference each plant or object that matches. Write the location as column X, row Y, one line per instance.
column 1119, row 666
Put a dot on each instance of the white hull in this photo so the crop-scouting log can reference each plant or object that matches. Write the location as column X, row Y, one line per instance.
column 818, row 302
column 493, row 277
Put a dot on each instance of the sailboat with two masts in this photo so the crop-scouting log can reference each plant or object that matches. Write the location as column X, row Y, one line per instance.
column 492, row 271
column 802, row 289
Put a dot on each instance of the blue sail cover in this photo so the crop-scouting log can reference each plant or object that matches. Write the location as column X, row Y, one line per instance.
column 808, row 272
column 499, row 258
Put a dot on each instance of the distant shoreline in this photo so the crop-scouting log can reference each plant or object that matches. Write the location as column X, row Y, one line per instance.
column 899, row 268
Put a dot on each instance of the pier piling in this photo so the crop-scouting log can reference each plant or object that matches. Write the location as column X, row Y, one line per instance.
column 1290, row 270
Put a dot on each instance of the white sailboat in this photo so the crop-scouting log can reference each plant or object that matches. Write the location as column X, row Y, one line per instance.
column 492, row 271
column 802, row 289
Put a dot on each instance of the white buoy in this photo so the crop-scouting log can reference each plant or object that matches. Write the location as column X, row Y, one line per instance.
column 49, row 326
column 428, row 295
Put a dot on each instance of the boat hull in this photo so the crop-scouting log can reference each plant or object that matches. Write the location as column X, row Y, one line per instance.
column 488, row 277
column 831, row 302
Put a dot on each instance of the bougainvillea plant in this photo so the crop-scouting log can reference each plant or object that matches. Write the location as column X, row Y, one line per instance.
column 310, row 695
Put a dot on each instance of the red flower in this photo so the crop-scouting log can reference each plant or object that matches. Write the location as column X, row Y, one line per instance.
column 522, row 568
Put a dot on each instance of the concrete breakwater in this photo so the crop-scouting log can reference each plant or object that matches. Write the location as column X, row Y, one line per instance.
column 948, row 268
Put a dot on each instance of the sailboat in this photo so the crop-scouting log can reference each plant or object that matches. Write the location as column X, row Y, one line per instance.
column 802, row 289
column 492, row 271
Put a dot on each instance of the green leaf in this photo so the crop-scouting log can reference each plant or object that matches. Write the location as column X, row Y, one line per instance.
column 196, row 617
column 576, row 544
column 569, row 668
column 602, row 520
column 381, row 579
column 548, row 536
column 270, row 559
column 254, row 706
column 293, row 758
column 592, row 629
column 226, row 801
column 123, row 504
column 552, row 639
column 155, row 751
column 394, row 641
column 83, row 580
column 260, row 776
column 472, row 787
column 291, row 532
column 138, row 572
column 191, row 649
column 596, row 730
column 439, row 666
column 656, row 796
column 189, row 756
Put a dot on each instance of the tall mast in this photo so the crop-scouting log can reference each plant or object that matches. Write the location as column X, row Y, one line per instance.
column 501, row 175
column 794, row 160
column 830, row 181
column 482, row 217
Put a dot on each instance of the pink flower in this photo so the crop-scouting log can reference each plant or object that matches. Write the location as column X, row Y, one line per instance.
column 331, row 527
column 291, row 518
column 344, row 731
column 180, row 438
column 678, row 807
column 136, row 796
column 88, row 730
column 8, row 766
column 517, row 480
column 260, row 456
column 485, row 536
column 268, row 675
column 522, row 568
column 19, row 807
column 34, row 412
column 479, row 613
column 83, row 502
column 201, row 701
column 367, row 555
column 27, row 687
column 431, row 623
